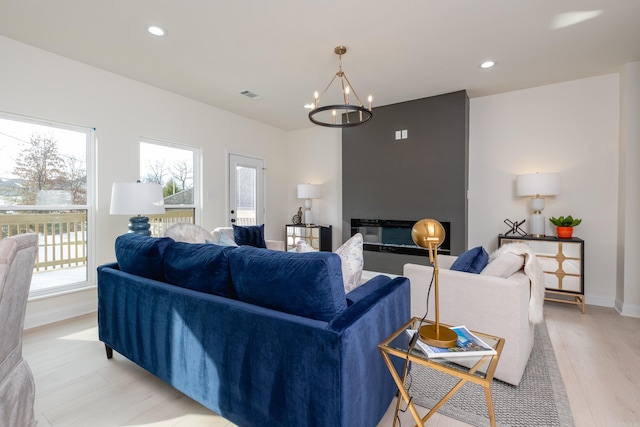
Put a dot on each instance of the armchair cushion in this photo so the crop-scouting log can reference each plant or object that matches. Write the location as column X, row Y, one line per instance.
column 504, row 265
column 471, row 261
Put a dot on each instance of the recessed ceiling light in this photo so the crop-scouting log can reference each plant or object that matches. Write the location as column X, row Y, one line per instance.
column 487, row 64
column 157, row 31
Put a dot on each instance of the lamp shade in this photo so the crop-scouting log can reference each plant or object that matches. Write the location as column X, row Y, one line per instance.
column 538, row 184
column 308, row 191
column 136, row 198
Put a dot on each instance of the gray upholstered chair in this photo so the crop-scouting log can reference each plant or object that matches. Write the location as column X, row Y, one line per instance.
column 17, row 388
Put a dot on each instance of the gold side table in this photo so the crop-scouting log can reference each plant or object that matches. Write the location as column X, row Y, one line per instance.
column 473, row 368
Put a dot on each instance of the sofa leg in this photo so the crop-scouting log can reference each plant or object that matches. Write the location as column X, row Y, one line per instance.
column 109, row 351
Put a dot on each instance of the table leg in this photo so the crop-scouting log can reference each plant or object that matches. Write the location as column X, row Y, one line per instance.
column 487, row 393
column 403, row 391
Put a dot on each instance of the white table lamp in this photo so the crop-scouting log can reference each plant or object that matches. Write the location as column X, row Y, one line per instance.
column 137, row 199
column 537, row 185
column 308, row 192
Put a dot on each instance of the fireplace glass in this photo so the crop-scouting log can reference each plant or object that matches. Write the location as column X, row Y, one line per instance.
column 394, row 236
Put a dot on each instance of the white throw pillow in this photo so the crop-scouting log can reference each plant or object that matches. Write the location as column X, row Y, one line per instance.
column 352, row 262
column 504, row 265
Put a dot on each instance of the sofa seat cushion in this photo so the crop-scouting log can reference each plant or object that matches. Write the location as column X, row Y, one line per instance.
column 307, row 284
column 199, row 266
column 142, row 255
column 471, row 261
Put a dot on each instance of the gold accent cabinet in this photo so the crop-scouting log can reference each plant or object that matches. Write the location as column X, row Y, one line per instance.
column 562, row 261
column 317, row 236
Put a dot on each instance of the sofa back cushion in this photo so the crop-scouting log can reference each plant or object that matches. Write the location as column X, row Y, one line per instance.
column 199, row 266
column 307, row 284
column 142, row 255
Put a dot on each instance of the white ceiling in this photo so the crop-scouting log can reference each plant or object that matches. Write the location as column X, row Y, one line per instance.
column 282, row 50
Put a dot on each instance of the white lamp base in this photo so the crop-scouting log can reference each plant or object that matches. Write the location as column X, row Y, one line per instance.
column 308, row 215
column 537, row 220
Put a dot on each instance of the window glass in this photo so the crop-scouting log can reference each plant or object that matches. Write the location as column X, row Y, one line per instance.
column 175, row 168
column 46, row 188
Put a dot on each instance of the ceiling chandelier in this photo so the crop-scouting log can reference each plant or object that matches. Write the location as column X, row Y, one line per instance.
column 327, row 115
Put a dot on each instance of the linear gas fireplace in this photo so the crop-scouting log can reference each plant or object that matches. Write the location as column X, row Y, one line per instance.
column 394, row 236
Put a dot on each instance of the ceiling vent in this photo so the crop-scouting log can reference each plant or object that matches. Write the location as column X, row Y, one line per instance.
column 250, row 95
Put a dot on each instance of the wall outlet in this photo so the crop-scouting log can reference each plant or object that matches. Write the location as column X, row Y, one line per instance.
column 398, row 135
column 404, row 134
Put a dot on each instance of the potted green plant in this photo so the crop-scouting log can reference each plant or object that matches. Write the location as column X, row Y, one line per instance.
column 564, row 225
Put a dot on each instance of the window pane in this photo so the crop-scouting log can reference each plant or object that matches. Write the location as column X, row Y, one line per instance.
column 170, row 167
column 43, row 190
column 246, row 179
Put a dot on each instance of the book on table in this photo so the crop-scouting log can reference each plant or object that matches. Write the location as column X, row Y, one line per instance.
column 468, row 345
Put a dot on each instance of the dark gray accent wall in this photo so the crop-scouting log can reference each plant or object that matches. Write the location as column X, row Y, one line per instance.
column 423, row 176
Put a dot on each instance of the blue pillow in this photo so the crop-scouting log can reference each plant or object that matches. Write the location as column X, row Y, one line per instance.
column 142, row 255
column 199, row 266
column 305, row 284
column 472, row 261
column 252, row 235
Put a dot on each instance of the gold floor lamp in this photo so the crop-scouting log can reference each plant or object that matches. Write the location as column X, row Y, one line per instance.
column 429, row 234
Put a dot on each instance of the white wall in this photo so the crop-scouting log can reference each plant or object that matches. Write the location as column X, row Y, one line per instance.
column 571, row 128
column 39, row 84
column 315, row 157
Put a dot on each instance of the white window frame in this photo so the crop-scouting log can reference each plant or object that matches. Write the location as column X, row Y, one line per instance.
column 91, row 170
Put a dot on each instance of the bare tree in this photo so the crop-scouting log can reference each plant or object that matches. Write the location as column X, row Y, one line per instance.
column 181, row 174
column 156, row 172
column 40, row 166
column 76, row 180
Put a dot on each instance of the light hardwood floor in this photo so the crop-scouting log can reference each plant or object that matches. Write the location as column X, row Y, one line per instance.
column 598, row 354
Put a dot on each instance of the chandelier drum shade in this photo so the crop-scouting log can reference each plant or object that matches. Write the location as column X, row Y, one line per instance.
column 328, row 115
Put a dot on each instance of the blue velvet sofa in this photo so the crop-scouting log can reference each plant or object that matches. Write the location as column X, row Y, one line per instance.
column 262, row 337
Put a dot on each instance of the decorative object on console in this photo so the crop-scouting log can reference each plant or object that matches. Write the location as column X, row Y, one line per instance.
column 308, row 192
column 328, row 115
column 137, row 199
column 537, row 185
column 515, row 227
column 564, row 225
column 297, row 218
column 429, row 233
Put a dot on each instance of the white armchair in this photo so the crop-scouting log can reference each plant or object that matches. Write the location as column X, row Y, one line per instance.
column 493, row 305
column 17, row 388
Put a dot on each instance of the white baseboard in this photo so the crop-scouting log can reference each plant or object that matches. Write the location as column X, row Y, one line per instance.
column 63, row 306
column 58, row 315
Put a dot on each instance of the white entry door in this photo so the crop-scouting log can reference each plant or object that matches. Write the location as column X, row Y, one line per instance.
column 246, row 190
